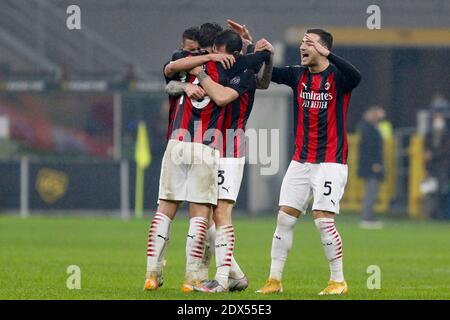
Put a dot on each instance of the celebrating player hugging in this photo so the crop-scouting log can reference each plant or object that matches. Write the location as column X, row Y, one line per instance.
column 204, row 160
column 212, row 82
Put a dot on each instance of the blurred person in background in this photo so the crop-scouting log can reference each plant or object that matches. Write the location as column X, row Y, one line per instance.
column 130, row 74
column 371, row 163
column 439, row 103
column 385, row 126
column 437, row 161
column 62, row 75
column 126, row 80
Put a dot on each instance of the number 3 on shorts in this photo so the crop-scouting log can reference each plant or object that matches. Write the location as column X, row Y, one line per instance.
column 221, row 177
column 328, row 186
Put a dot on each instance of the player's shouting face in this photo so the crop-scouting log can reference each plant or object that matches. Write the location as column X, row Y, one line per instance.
column 312, row 49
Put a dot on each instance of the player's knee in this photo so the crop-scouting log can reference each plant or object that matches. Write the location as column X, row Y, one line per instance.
column 220, row 217
column 290, row 211
column 199, row 210
column 322, row 214
column 222, row 213
column 168, row 208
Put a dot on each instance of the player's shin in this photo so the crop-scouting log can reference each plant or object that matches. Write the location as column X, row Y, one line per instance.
column 235, row 270
column 209, row 250
column 332, row 244
column 224, row 253
column 195, row 248
column 281, row 244
column 158, row 237
column 161, row 259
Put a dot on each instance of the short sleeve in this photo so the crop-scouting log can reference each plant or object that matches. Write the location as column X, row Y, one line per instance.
column 168, row 79
column 179, row 54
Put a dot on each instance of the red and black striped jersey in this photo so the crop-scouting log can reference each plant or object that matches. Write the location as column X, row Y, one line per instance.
column 251, row 61
column 321, row 102
column 181, row 76
column 200, row 121
column 237, row 114
column 203, row 121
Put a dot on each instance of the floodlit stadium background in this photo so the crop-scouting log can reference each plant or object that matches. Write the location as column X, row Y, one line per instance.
column 71, row 100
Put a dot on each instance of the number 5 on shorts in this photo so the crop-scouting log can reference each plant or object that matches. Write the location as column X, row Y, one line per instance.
column 328, row 186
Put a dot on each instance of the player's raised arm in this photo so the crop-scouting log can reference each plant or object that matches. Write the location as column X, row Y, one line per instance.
column 188, row 63
column 284, row 75
column 350, row 75
column 265, row 74
column 247, row 40
column 241, row 29
column 252, row 61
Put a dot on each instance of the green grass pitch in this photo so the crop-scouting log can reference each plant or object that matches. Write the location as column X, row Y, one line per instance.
column 414, row 258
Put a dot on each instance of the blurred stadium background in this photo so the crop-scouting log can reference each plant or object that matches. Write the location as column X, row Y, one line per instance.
column 71, row 100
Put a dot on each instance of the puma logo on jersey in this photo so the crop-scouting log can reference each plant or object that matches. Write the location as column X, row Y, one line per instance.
column 334, row 204
column 192, row 237
column 226, row 189
column 277, row 237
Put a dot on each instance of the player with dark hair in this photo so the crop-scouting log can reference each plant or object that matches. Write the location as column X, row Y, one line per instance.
column 322, row 86
column 324, row 37
column 207, row 31
column 207, row 34
column 189, row 46
column 230, row 41
column 232, row 161
column 190, row 40
column 177, row 68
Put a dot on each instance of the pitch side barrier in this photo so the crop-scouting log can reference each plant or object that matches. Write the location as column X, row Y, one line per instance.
column 33, row 186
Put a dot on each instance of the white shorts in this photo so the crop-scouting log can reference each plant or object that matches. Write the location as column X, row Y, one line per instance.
column 324, row 181
column 231, row 171
column 189, row 173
